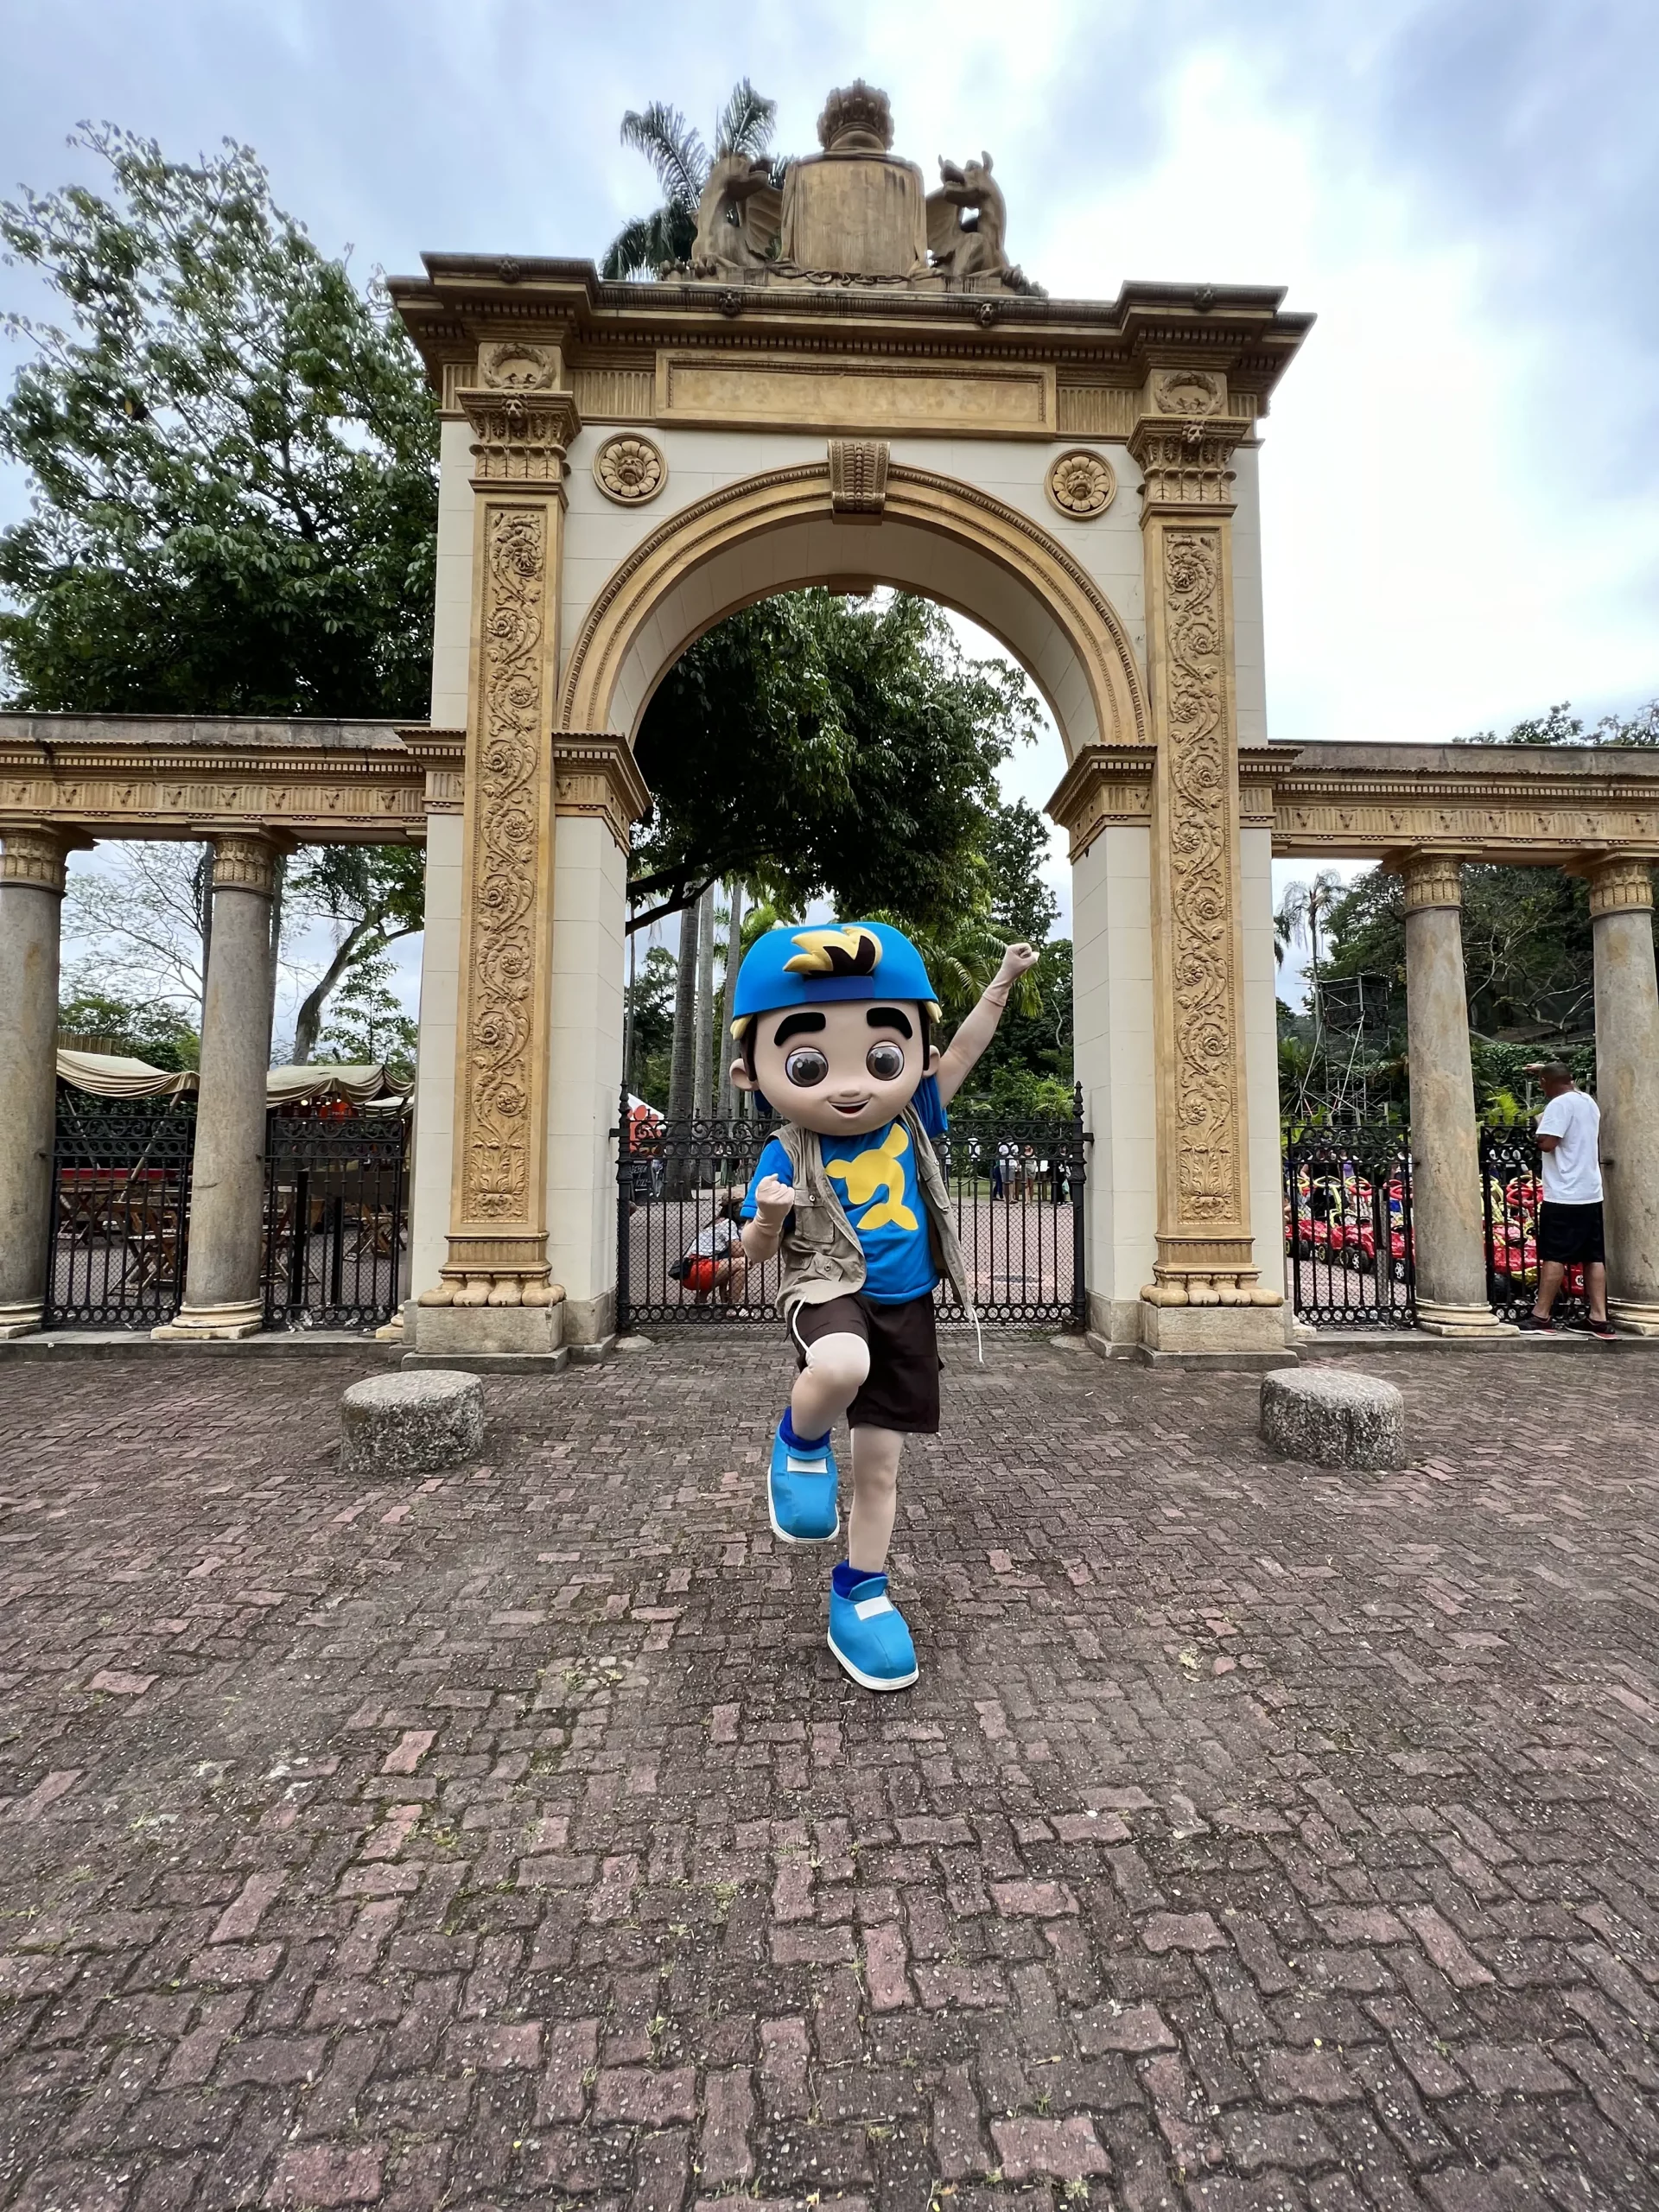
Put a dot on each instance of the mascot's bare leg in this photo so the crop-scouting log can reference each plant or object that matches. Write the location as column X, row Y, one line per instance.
column 876, row 1499
column 835, row 1370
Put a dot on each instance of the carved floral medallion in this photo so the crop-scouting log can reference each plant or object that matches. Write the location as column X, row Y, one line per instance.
column 1081, row 484
column 629, row 470
column 1206, row 1109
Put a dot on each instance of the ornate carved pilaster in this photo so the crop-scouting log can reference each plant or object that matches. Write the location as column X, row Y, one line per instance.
column 523, row 420
column 1205, row 1255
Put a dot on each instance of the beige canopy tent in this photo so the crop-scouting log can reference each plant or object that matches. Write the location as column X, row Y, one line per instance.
column 111, row 1075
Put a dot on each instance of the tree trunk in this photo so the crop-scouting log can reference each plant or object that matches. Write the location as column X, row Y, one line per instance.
column 723, row 1041
column 702, row 1094
column 681, row 1060
column 308, row 1020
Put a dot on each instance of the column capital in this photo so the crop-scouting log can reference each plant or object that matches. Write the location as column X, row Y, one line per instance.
column 245, row 863
column 596, row 773
column 1184, row 463
column 35, row 855
column 1106, row 784
column 519, row 438
column 1431, row 879
column 1620, row 883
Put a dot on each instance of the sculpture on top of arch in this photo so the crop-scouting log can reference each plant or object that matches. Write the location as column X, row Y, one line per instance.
column 855, row 213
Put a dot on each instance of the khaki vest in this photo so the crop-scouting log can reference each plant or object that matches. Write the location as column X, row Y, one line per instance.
column 821, row 1254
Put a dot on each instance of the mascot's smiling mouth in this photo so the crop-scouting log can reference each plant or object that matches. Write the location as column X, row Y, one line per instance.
column 857, row 1106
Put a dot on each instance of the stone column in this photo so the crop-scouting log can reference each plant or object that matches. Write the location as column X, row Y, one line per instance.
column 31, row 902
column 1449, row 1216
column 223, row 1299
column 493, row 1293
column 1206, row 1294
column 1627, row 1085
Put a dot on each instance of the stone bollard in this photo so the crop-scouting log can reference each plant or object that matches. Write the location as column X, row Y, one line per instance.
column 1334, row 1419
column 410, row 1424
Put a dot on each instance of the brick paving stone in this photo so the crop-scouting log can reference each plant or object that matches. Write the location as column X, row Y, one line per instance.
column 1251, row 1840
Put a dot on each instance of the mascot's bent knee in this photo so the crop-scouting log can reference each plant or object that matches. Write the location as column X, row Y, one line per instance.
column 835, row 1031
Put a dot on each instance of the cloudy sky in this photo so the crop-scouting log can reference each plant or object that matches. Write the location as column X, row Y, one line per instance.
column 1461, row 473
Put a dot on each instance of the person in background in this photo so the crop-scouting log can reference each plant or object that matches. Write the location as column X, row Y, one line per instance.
column 1569, row 1220
column 716, row 1261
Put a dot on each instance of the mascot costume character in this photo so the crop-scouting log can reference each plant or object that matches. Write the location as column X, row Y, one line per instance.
column 835, row 1030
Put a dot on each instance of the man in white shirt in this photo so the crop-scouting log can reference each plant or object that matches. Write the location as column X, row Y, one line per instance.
column 1569, row 1220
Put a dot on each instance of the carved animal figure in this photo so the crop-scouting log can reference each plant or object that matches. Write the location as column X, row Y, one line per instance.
column 878, row 1169
column 739, row 215
column 968, row 244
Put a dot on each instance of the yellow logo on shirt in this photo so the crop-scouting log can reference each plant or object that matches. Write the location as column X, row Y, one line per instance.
column 878, row 1169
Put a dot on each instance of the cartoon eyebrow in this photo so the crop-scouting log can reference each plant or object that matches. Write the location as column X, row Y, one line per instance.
column 889, row 1017
column 796, row 1025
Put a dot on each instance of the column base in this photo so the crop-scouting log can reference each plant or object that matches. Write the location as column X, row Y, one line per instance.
column 1436, row 1319
column 22, row 1320
column 1212, row 1328
column 1631, row 1317
column 214, row 1325
column 479, row 1330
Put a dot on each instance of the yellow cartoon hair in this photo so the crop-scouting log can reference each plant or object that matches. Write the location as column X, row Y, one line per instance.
column 835, row 952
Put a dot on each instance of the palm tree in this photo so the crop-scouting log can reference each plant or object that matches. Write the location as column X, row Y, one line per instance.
column 676, row 152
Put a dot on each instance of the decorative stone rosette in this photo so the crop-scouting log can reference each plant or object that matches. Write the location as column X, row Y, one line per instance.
column 1080, row 483
column 630, row 469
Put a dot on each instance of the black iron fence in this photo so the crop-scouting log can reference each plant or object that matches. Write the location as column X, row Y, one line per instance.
column 1512, row 1189
column 120, row 1210
column 336, row 1217
column 1351, row 1243
column 1016, row 1190
column 1350, row 1254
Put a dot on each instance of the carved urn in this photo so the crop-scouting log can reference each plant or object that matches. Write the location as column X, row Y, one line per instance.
column 856, row 209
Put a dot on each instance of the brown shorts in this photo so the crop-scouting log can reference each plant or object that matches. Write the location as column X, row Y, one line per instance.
column 901, row 1391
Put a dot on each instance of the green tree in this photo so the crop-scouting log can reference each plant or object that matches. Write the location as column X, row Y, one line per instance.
column 1016, row 849
column 675, row 151
column 232, row 453
column 375, row 894
column 141, row 1029
column 367, row 1023
column 650, row 1026
column 819, row 749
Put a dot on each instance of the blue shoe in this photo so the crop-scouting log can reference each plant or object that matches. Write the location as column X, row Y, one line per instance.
column 801, row 1493
column 869, row 1635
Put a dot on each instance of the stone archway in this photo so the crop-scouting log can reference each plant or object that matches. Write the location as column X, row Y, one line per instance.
column 623, row 464
column 947, row 540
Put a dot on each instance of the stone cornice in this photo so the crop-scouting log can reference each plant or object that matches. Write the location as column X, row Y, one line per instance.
column 596, row 775
column 1540, row 806
column 465, row 300
column 155, row 776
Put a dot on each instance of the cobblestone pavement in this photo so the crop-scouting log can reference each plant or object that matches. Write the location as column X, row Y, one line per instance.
column 1254, row 1838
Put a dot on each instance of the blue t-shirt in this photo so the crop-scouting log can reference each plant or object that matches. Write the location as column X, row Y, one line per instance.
column 874, row 1176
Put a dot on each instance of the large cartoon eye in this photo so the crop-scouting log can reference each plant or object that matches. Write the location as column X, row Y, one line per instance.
column 886, row 1062
column 806, row 1066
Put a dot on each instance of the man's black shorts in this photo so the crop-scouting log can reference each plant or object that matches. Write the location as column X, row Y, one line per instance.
column 1570, row 1234
column 901, row 1391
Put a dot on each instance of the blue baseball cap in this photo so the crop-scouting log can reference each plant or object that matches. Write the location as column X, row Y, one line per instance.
column 810, row 967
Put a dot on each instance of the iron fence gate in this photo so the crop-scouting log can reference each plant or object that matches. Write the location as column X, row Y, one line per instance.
column 336, row 1217
column 1349, row 1240
column 1512, row 1189
column 1016, row 1189
column 120, row 1208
